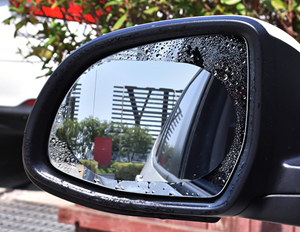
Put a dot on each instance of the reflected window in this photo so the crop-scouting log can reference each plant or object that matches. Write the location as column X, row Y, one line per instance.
column 171, row 148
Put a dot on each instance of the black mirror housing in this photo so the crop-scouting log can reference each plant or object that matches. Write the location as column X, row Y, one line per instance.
column 264, row 180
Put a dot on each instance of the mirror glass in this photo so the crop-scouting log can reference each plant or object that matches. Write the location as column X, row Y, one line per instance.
column 166, row 118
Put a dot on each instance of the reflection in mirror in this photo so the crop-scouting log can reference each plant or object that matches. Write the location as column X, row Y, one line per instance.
column 165, row 119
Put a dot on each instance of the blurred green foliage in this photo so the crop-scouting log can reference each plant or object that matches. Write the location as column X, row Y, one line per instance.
column 54, row 39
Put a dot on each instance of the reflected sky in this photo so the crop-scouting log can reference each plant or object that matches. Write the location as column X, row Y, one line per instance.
column 98, row 83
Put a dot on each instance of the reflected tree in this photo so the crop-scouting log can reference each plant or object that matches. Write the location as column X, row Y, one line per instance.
column 70, row 130
column 129, row 143
column 135, row 143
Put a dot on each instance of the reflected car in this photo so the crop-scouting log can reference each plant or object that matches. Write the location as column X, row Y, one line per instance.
column 207, row 125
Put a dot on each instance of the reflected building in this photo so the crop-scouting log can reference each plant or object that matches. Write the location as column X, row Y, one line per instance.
column 72, row 101
column 146, row 107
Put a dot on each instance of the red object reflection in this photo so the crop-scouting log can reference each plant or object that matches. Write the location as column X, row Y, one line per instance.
column 102, row 150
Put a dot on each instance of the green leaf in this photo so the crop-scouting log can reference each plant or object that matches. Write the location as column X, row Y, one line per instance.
column 128, row 24
column 7, row 21
column 268, row 4
column 138, row 1
column 78, row 3
column 14, row 9
column 57, row 3
column 54, row 5
column 151, row 10
column 86, row 10
column 46, row 29
column 120, row 22
column 56, row 27
column 51, row 40
column 241, row 8
column 180, row 5
column 19, row 25
column 122, row 10
column 103, row 20
column 109, row 16
column 46, row 74
column 294, row 4
column 279, row 5
column 19, row 51
column 33, row 20
column 105, row 31
column 111, row 3
column 219, row 8
column 41, row 52
column 230, row 2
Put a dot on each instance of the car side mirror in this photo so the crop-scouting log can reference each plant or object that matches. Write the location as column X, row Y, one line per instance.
column 190, row 119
